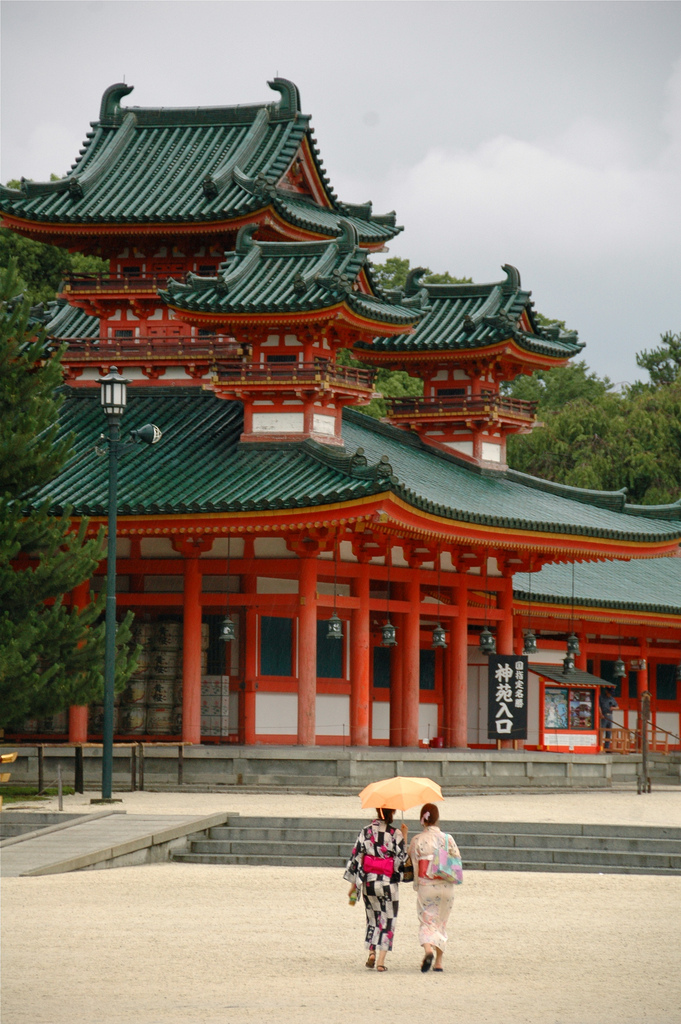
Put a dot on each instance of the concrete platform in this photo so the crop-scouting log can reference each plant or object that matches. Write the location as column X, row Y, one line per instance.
column 336, row 769
column 109, row 838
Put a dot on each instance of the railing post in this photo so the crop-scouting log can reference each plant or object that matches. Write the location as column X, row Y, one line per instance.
column 78, row 772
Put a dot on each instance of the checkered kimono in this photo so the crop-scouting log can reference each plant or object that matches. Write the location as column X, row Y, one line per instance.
column 380, row 893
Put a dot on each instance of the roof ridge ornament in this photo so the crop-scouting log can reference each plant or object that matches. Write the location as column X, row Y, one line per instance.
column 290, row 95
column 110, row 106
column 512, row 282
column 413, row 282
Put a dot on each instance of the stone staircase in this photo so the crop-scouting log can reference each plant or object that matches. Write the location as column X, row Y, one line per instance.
column 485, row 846
column 18, row 823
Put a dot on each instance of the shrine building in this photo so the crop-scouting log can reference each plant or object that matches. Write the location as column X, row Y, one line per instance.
column 367, row 567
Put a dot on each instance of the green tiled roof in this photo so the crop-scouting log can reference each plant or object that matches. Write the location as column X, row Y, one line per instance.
column 288, row 277
column 65, row 321
column 473, row 316
column 651, row 584
column 201, row 467
column 187, row 164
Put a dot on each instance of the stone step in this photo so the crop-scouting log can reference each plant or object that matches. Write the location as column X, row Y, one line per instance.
column 284, row 860
column 352, row 826
column 465, row 840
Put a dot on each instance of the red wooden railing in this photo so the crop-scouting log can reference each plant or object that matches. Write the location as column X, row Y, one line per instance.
column 498, row 405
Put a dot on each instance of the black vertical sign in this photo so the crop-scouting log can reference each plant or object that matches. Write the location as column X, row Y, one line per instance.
column 507, row 697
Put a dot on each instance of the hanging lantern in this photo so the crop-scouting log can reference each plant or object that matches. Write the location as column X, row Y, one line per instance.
column 573, row 644
column 619, row 670
column 568, row 664
column 487, row 642
column 530, row 645
column 439, row 636
column 388, row 638
column 227, row 630
column 335, row 631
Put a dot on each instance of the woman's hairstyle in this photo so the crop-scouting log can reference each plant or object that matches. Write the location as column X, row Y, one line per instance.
column 429, row 814
column 385, row 814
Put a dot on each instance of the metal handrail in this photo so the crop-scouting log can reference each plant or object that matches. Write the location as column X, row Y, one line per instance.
column 462, row 404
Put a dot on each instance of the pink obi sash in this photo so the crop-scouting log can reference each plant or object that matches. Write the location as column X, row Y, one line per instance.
column 378, row 865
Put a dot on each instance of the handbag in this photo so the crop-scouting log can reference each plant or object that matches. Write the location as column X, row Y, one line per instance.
column 378, row 865
column 408, row 871
column 444, row 866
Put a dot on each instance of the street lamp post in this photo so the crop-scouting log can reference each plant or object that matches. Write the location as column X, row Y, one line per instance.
column 113, row 397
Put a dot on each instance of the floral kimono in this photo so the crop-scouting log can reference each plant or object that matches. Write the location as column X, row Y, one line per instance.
column 435, row 896
column 380, row 891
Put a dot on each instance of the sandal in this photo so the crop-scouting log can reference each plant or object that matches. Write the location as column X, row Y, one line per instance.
column 371, row 960
column 427, row 962
column 440, row 969
column 381, row 968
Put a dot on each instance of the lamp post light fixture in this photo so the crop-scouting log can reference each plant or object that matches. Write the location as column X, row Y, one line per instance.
column 619, row 670
column 388, row 638
column 439, row 637
column 113, row 397
column 488, row 644
column 530, row 642
column 573, row 644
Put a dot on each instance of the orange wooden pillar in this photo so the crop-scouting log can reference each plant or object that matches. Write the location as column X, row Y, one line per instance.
column 410, row 662
column 360, row 652
column 307, row 651
column 396, row 684
column 505, row 627
column 458, row 675
column 78, row 712
column 251, row 661
column 191, row 652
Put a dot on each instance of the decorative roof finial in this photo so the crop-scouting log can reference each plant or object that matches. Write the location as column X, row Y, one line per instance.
column 111, row 100
column 290, row 96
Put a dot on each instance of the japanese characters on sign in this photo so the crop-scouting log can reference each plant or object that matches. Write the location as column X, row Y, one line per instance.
column 507, row 697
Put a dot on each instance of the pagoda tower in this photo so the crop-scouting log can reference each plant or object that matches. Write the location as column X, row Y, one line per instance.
column 161, row 193
column 292, row 306
column 474, row 338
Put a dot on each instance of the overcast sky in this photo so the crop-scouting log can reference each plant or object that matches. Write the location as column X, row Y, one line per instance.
column 546, row 135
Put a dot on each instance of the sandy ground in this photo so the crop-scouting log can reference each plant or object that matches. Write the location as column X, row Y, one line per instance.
column 662, row 807
column 188, row 944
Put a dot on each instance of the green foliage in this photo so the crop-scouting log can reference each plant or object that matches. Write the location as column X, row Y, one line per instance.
column 42, row 267
column 393, row 274
column 609, row 441
column 554, row 389
column 51, row 656
column 662, row 363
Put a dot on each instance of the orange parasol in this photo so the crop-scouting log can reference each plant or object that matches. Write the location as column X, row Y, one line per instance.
column 400, row 793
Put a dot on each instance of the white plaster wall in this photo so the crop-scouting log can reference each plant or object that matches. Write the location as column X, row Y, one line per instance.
column 278, row 422
column 465, row 447
column 158, row 547
column 271, row 547
column 276, row 713
column 668, row 720
column 380, row 720
column 223, row 546
column 323, row 424
column 333, row 714
column 427, row 721
column 270, row 585
column 122, row 547
column 491, row 452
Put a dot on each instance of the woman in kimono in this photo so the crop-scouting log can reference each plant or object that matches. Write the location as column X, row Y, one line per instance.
column 375, row 869
column 435, row 896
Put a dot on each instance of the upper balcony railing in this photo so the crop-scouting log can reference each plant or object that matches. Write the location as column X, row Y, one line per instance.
column 321, row 372
column 461, row 406
column 81, row 284
column 157, row 349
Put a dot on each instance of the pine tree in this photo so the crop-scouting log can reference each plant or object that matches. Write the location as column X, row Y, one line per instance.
column 51, row 655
